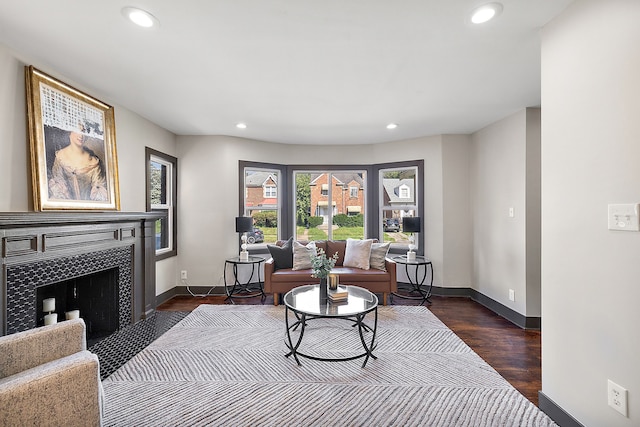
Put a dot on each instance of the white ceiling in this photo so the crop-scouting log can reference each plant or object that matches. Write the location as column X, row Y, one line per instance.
column 296, row 71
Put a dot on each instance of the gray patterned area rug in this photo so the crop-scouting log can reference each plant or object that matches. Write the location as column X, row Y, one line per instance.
column 224, row 365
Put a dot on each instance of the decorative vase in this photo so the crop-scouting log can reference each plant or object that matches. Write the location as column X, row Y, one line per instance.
column 323, row 289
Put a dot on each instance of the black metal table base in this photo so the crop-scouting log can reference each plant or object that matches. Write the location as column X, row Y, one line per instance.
column 414, row 294
column 247, row 289
column 416, row 283
column 358, row 321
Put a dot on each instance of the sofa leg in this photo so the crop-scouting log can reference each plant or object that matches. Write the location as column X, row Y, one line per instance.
column 384, row 298
column 275, row 298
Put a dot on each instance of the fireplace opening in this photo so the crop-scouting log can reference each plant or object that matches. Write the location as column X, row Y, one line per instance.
column 93, row 297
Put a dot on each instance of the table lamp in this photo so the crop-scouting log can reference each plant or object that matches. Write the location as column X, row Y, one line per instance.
column 411, row 225
column 244, row 224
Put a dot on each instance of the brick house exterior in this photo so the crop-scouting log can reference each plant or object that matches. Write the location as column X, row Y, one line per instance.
column 261, row 192
column 347, row 194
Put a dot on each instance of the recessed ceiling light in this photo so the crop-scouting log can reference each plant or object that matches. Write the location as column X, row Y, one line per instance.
column 140, row 17
column 241, row 125
column 392, row 126
column 486, row 12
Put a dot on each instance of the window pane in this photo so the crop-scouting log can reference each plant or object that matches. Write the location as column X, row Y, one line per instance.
column 159, row 186
column 262, row 204
column 398, row 194
column 162, row 231
column 327, row 198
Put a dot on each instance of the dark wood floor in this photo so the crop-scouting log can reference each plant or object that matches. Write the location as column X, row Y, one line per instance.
column 513, row 352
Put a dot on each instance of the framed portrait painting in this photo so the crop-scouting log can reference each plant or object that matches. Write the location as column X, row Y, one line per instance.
column 73, row 147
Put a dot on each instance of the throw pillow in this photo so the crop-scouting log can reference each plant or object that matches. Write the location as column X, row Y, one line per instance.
column 302, row 255
column 357, row 253
column 282, row 255
column 378, row 255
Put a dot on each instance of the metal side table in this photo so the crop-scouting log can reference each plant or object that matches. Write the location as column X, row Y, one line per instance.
column 247, row 289
column 422, row 268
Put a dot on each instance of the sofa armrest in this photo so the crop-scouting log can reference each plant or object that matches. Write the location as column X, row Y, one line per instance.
column 28, row 349
column 269, row 268
column 65, row 392
column 390, row 265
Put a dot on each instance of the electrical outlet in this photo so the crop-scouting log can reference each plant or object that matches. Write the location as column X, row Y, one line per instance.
column 183, row 274
column 617, row 397
column 512, row 295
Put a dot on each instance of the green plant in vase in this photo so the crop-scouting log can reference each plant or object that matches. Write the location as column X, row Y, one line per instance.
column 321, row 265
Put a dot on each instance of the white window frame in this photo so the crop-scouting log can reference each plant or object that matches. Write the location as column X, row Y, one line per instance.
column 405, row 192
column 270, row 191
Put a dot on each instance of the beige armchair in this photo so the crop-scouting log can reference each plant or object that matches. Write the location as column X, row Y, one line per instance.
column 48, row 378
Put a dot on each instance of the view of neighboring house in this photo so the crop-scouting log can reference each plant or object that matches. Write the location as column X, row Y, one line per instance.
column 347, row 194
column 399, row 193
column 261, row 191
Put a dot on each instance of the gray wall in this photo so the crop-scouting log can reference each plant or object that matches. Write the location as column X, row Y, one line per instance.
column 504, row 257
column 590, row 157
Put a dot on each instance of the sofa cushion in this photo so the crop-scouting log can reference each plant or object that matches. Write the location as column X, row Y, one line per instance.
column 347, row 276
column 282, row 255
column 378, row 255
column 357, row 253
column 339, row 246
column 302, row 255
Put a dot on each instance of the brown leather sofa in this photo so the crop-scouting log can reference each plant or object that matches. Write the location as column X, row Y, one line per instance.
column 281, row 281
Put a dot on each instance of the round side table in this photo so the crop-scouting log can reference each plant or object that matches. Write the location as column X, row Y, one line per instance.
column 247, row 289
column 421, row 267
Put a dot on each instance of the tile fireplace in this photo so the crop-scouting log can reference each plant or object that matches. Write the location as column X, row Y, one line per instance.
column 100, row 263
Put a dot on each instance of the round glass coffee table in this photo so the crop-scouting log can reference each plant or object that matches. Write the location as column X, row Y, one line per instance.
column 305, row 304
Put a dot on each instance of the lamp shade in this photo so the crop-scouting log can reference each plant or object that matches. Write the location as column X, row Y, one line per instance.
column 411, row 224
column 244, row 224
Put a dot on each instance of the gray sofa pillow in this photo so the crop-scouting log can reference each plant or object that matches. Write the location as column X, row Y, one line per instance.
column 282, row 255
column 378, row 255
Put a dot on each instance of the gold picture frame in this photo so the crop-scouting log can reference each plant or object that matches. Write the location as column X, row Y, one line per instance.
column 73, row 147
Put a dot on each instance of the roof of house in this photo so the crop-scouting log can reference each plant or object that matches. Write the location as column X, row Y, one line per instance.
column 257, row 179
column 392, row 188
column 342, row 177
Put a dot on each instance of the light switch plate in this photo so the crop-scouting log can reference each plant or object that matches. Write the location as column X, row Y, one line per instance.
column 624, row 217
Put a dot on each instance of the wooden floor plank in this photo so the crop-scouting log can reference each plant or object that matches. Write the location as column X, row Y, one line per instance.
column 510, row 350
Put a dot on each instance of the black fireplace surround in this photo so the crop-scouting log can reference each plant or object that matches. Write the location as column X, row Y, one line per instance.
column 44, row 248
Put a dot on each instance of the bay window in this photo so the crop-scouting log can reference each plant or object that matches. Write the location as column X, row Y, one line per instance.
column 331, row 201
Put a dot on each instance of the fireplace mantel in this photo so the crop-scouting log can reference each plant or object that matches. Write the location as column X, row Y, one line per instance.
column 32, row 219
column 32, row 237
